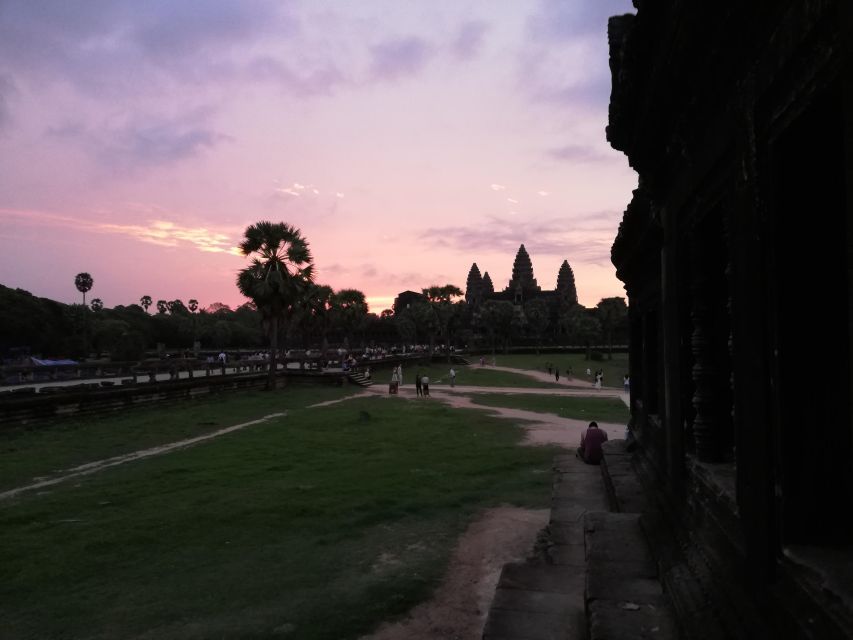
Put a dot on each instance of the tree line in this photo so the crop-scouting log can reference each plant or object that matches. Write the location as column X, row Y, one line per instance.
column 285, row 309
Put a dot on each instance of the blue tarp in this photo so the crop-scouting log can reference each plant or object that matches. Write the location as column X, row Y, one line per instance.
column 51, row 363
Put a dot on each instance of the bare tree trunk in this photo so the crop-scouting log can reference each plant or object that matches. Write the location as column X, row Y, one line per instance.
column 273, row 353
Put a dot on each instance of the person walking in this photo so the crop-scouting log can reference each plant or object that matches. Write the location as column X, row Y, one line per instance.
column 425, row 386
column 400, row 374
column 452, row 377
column 395, row 381
column 418, row 385
column 557, row 373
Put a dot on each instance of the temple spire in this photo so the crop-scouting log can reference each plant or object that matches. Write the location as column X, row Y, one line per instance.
column 522, row 274
column 488, row 287
column 566, row 283
column 474, row 286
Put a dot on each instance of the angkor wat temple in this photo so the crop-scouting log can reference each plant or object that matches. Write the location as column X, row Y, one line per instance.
column 738, row 118
column 522, row 286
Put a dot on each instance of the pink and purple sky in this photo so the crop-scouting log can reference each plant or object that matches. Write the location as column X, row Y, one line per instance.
column 405, row 139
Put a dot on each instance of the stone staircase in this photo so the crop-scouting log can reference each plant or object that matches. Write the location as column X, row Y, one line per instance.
column 594, row 576
column 360, row 379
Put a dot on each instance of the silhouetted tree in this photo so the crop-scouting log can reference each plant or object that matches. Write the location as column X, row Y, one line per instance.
column 538, row 317
column 96, row 304
column 162, row 306
column 611, row 312
column 495, row 318
column 441, row 299
column 280, row 273
column 83, row 282
column 145, row 302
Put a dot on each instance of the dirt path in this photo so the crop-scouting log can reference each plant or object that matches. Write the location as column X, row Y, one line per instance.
column 100, row 465
column 459, row 606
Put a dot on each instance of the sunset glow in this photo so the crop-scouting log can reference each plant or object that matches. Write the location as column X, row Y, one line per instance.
column 405, row 140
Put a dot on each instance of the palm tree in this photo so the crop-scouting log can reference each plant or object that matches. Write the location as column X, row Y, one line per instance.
column 348, row 309
column 83, row 282
column 145, row 302
column 441, row 300
column 193, row 306
column 280, row 273
column 97, row 304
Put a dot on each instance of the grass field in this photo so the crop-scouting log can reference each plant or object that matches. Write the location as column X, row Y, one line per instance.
column 439, row 374
column 317, row 525
column 599, row 409
column 41, row 451
column 613, row 369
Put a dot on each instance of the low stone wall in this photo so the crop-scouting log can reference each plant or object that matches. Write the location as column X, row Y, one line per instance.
column 25, row 409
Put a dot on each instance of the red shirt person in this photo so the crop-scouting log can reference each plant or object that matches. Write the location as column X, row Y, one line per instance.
column 591, row 441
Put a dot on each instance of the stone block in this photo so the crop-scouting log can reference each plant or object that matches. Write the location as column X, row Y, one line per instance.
column 550, row 578
column 610, row 620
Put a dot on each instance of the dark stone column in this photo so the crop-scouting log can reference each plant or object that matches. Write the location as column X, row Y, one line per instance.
column 704, row 370
column 673, row 417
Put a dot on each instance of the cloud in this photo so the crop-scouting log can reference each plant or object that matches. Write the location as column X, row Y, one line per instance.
column 399, row 57
column 558, row 20
column 321, row 79
column 469, row 39
column 371, row 272
column 159, row 142
column 161, row 232
column 498, row 187
column 144, row 141
column 543, row 193
column 512, row 200
column 576, row 153
column 564, row 60
column 7, row 89
column 584, row 238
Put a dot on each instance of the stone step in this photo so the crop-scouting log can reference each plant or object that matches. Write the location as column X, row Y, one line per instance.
column 624, row 596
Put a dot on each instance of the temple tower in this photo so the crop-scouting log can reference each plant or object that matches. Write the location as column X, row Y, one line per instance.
column 566, row 284
column 474, row 286
column 488, row 287
column 523, row 285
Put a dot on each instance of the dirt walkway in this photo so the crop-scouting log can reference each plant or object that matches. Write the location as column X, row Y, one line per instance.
column 100, row 465
column 459, row 606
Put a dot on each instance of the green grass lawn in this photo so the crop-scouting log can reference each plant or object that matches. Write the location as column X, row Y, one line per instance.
column 598, row 409
column 613, row 369
column 318, row 525
column 439, row 375
column 43, row 450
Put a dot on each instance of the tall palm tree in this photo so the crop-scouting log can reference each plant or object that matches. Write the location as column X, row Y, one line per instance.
column 83, row 282
column 348, row 309
column 441, row 300
column 192, row 303
column 145, row 302
column 280, row 273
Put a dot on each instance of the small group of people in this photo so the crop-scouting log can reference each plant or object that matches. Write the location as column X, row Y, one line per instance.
column 422, row 385
column 598, row 380
column 396, row 379
column 555, row 371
